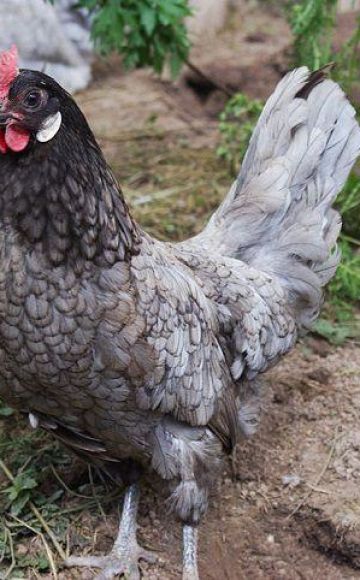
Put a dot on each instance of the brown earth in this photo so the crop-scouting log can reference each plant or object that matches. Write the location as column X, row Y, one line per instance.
column 288, row 505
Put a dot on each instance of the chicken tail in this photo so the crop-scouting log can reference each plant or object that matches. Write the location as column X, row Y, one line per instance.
column 278, row 215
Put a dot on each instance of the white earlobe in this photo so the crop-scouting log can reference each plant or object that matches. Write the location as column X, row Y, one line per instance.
column 49, row 128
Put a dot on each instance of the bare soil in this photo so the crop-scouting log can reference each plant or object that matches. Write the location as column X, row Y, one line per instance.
column 288, row 504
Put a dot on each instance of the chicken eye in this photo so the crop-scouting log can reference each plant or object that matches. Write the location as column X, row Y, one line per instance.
column 33, row 99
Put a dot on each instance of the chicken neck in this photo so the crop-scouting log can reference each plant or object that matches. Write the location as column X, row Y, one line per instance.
column 65, row 199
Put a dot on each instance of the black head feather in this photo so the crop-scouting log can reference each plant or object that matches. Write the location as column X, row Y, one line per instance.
column 61, row 193
column 53, row 98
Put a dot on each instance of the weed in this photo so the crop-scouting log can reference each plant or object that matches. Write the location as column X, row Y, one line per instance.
column 345, row 286
column 312, row 23
column 33, row 496
column 237, row 123
column 339, row 332
column 348, row 203
column 145, row 33
column 19, row 492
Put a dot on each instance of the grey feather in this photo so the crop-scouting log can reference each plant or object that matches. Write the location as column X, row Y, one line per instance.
column 284, row 224
column 142, row 356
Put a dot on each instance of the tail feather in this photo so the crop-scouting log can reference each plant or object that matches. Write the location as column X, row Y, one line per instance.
column 278, row 215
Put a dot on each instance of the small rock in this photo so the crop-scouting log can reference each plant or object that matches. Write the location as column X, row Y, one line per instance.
column 256, row 37
column 291, row 480
column 320, row 375
column 319, row 346
column 21, row 549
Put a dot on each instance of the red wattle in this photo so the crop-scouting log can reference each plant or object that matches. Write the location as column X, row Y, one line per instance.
column 3, row 146
column 16, row 139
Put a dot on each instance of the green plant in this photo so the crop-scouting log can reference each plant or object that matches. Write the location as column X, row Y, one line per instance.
column 347, row 69
column 32, row 493
column 237, row 123
column 346, row 284
column 5, row 411
column 348, row 203
column 337, row 333
column 312, row 23
column 144, row 32
column 19, row 492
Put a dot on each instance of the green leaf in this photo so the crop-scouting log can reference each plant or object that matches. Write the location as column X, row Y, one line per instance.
column 42, row 563
column 237, row 123
column 20, row 502
column 24, row 481
column 148, row 19
column 6, row 411
column 55, row 496
column 335, row 333
column 175, row 64
column 144, row 32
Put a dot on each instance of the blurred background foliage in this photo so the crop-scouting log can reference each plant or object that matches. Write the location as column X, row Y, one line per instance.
column 144, row 32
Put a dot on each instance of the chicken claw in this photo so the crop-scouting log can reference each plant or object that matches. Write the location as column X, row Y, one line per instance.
column 116, row 563
column 126, row 552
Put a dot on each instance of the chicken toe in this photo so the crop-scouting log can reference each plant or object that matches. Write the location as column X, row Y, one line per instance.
column 126, row 552
column 117, row 563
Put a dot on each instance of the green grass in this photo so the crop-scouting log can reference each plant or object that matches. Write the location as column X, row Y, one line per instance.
column 42, row 489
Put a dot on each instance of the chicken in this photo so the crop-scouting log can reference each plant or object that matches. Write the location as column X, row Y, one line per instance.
column 139, row 355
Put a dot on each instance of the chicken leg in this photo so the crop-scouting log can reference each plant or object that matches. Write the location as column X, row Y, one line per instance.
column 190, row 537
column 126, row 552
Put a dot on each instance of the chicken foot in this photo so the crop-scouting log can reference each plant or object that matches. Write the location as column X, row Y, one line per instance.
column 126, row 552
column 190, row 538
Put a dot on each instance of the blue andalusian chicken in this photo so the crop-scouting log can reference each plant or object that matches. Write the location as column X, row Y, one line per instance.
column 140, row 355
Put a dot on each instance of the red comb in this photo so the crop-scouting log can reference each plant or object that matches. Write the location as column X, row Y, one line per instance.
column 8, row 69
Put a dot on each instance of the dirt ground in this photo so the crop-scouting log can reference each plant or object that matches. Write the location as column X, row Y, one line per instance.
column 288, row 504
column 288, row 507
